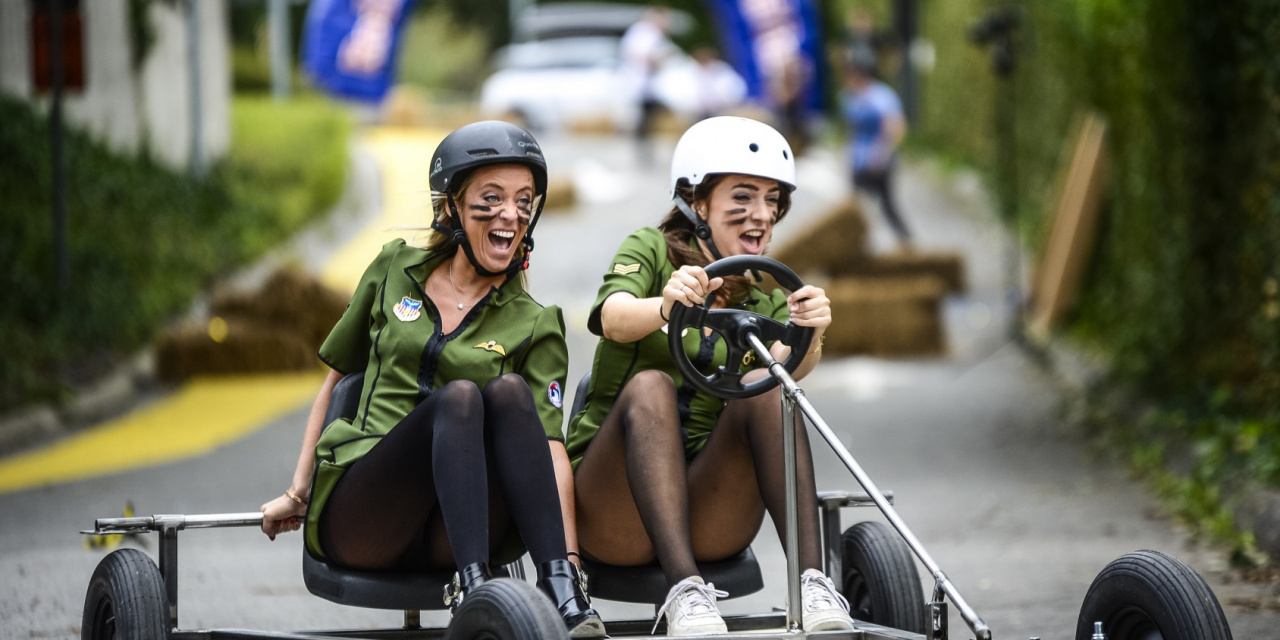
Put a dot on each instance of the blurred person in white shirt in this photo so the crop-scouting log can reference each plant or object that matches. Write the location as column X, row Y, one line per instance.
column 719, row 88
column 644, row 46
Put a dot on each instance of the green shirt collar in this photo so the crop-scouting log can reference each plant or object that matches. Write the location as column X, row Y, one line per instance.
column 509, row 290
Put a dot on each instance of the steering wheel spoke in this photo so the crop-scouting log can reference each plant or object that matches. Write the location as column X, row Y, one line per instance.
column 734, row 325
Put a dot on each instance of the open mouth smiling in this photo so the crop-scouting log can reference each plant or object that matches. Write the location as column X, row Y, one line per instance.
column 501, row 240
column 752, row 241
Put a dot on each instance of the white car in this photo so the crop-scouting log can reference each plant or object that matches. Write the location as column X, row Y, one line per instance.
column 550, row 84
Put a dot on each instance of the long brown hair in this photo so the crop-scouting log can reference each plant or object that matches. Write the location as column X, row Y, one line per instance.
column 679, row 233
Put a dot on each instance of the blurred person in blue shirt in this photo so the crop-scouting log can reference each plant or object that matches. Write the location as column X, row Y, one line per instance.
column 876, row 127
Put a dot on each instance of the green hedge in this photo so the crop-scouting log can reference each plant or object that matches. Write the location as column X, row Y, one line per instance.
column 1183, row 291
column 1183, row 283
column 143, row 240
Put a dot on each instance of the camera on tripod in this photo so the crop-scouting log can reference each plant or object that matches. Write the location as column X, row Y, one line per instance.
column 997, row 29
column 997, row 25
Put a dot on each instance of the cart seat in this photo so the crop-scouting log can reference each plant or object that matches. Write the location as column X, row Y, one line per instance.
column 370, row 589
column 739, row 575
column 375, row 590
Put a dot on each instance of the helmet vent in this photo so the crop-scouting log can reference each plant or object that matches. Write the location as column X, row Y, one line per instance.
column 753, row 147
column 482, row 153
column 785, row 155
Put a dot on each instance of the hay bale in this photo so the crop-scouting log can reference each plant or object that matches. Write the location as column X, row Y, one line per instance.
column 838, row 238
column 406, row 106
column 561, row 195
column 946, row 266
column 247, row 347
column 593, row 126
column 278, row 328
column 888, row 316
column 290, row 300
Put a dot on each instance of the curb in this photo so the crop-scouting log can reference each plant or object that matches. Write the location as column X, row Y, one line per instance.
column 1256, row 509
column 110, row 396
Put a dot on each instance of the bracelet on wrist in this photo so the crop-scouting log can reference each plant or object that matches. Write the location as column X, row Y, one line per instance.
column 821, row 340
column 292, row 496
column 664, row 318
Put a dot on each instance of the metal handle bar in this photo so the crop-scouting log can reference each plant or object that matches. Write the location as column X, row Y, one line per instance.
column 143, row 524
column 796, row 394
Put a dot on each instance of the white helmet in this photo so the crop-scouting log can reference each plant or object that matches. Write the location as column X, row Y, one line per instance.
column 729, row 144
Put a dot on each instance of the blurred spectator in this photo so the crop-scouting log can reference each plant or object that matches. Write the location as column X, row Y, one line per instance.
column 861, row 39
column 876, row 128
column 787, row 75
column 719, row 88
column 644, row 46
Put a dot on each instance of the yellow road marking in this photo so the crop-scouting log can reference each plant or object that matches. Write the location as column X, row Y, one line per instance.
column 204, row 414
column 404, row 159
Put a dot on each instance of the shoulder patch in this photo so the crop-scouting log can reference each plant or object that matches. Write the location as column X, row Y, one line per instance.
column 626, row 269
column 554, row 394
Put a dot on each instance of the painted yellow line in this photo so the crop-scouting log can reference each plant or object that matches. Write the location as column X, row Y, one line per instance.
column 404, row 159
column 204, row 414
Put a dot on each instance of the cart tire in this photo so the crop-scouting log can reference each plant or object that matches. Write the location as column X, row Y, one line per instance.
column 880, row 579
column 1147, row 595
column 126, row 600
column 505, row 609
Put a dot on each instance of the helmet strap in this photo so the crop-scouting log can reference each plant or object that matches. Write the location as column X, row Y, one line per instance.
column 700, row 228
column 459, row 237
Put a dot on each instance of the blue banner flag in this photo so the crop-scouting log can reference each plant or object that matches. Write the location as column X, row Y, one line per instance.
column 775, row 45
column 350, row 46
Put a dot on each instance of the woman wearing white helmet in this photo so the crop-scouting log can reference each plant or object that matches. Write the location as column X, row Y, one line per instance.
column 664, row 471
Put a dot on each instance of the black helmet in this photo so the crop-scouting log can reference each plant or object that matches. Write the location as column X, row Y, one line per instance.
column 482, row 143
column 476, row 145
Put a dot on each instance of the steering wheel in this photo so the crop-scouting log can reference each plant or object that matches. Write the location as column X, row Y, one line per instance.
column 734, row 325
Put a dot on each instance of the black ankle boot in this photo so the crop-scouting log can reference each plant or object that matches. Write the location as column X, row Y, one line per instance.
column 465, row 581
column 559, row 580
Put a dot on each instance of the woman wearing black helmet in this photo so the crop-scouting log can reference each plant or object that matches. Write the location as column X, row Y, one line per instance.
column 665, row 471
column 463, row 385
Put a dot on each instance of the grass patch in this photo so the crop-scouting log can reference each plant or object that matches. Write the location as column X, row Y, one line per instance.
column 1199, row 458
column 142, row 240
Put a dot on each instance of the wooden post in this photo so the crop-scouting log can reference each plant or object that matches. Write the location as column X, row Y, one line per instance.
column 1074, row 224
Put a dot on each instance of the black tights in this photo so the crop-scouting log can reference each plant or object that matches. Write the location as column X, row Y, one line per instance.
column 880, row 185
column 637, row 499
column 466, row 463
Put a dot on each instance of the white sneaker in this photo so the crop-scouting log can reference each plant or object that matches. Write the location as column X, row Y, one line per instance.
column 824, row 608
column 691, row 609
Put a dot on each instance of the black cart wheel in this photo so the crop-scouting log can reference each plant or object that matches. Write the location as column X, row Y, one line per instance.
column 880, row 578
column 504, row 609
column 734, row 325
column 1147, row 595
column 126, row 600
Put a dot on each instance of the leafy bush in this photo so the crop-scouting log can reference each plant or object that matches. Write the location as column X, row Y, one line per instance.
column 1184, row 288
column 142, row 239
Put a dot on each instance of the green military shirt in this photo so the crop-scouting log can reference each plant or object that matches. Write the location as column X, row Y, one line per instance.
column 391, row 331
column 642, row 267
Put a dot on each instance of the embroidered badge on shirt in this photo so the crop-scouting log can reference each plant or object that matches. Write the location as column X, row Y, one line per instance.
column 554, row 395
column 626, row 269
column 492, row 346
column 408, row 309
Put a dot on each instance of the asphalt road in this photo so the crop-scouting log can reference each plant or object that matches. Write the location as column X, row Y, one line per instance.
column 987, row 470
